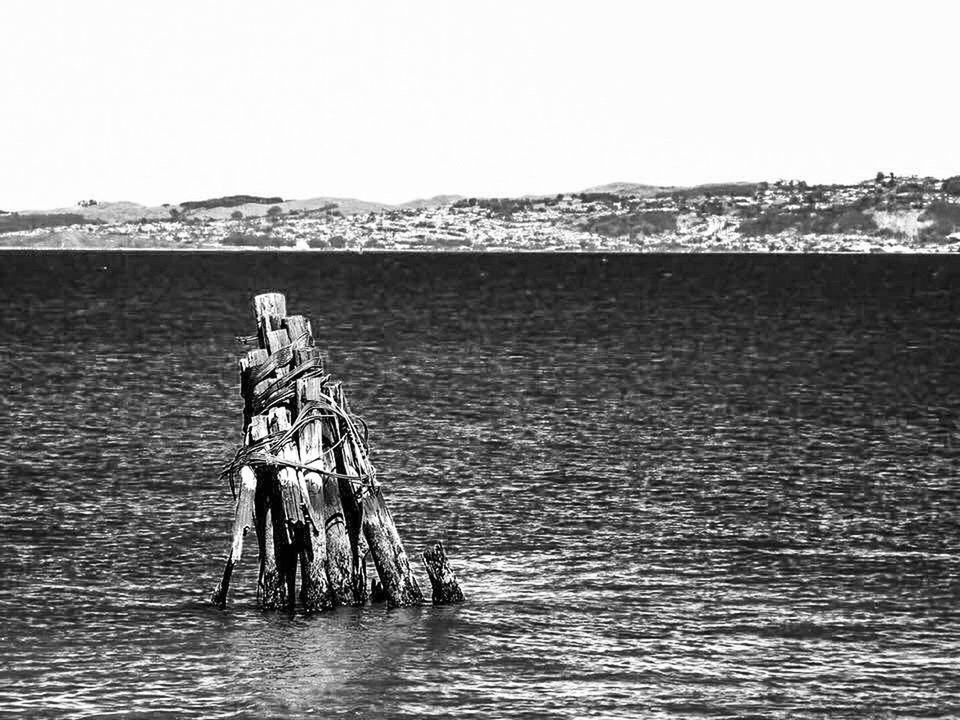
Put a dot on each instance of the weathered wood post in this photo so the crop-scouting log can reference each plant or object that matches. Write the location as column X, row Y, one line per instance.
column 350, row 482
column 389, row 557
column 243, row 521
column 271, row 593
column 307, row 484
column 317, row 592
column 290, row 503
column 445, row 587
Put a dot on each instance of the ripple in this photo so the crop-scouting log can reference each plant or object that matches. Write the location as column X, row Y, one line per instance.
column 732, row 494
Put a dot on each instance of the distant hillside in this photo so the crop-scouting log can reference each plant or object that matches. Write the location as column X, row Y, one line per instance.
column 734, row 189
column 109, row 212
column 435, row 201
column 627, row 189
column 223, row 208
column 16, row 222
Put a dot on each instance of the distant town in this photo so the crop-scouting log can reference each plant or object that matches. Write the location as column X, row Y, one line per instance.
column 887, row 213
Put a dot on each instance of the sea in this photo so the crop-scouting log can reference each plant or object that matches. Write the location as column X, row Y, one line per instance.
column 671, row 486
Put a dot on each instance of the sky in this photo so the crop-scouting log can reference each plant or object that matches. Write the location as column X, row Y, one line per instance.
column 169, row 101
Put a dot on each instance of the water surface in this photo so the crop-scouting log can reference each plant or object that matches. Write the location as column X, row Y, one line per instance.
column 672, row 487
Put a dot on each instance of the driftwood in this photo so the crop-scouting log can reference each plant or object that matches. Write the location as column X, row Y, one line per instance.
column 306, row 484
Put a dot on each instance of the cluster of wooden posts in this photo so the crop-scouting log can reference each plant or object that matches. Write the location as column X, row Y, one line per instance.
column 304, row 481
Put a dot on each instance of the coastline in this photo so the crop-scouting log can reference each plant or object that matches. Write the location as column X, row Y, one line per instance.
column 902, row 215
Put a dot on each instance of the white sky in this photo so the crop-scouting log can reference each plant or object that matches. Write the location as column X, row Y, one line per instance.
column 168, row 101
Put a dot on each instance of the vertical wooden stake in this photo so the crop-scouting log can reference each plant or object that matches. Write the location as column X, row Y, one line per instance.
column 339, row 553
column 270, row 591
column 349, row 490
column 396, row 576
column 243, row 521
column 316, row 592
column 270, row 309
column 292, row 519
column 445, row 587
column 389, row 557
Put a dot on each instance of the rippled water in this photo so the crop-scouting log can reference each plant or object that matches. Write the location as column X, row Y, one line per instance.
column 716, row 486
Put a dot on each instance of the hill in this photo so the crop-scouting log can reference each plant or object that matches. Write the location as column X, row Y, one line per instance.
column 627, row 189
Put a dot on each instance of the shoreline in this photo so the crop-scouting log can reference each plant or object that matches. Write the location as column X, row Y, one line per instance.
column 440, row 251
column 896, row 215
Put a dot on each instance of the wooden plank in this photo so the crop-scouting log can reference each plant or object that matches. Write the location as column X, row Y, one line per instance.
column 303, row 355
column 298, row 328
column 277, row 339
column 248, row 366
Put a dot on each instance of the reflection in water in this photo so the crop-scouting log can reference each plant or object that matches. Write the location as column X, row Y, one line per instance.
column 671, row 486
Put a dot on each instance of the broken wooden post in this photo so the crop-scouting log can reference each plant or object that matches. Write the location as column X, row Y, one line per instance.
column 446, row 590
column 307, row 484
column 243, row 521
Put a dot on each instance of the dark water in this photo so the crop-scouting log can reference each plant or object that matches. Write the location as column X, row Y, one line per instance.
column 672, row 486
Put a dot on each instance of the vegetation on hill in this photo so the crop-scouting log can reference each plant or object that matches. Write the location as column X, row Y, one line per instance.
column 229, row 201
column 15, row 222
column 837, row 220
column 944, row 219
column 256, row 240
column 951, row 186
column 632, row 224
column 715, row 190
column 497, row 207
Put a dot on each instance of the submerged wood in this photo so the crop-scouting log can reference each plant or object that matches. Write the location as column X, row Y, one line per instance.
column 446, row 589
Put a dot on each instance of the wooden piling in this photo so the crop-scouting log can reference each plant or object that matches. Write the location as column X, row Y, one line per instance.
column 446, row 589
column 396, row 576
column 243, row 521
column 271, row 592
column 389, row 558
column 317, row 592
column 290, row 504
column 307, row 484
column 275, row 588
column 348, row 488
